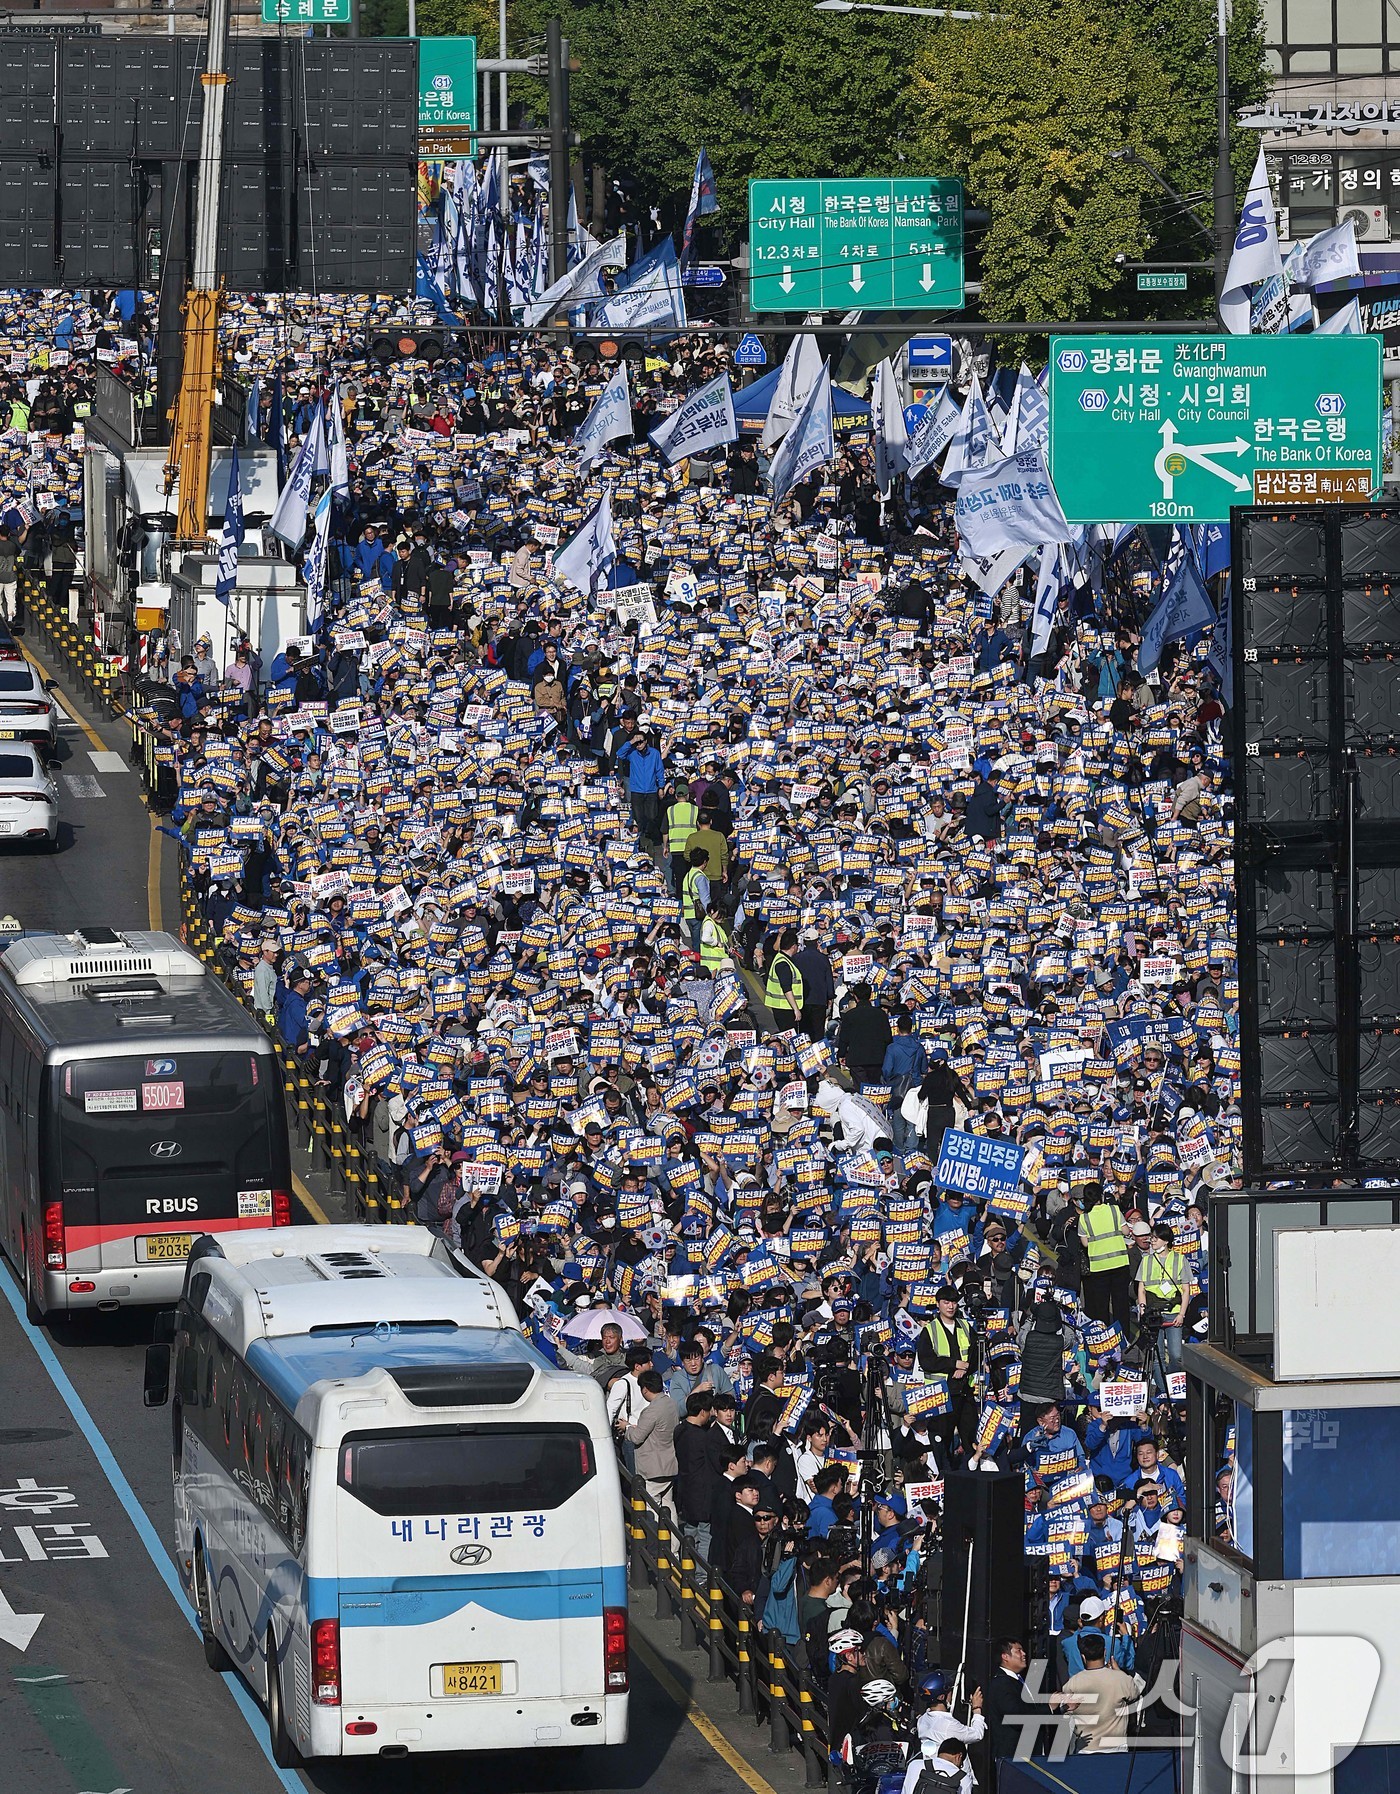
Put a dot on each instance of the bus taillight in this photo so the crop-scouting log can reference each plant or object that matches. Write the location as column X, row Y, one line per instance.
column 615, row 1650
column 55, row 1247
column 325, row 1662
column 281, row 1208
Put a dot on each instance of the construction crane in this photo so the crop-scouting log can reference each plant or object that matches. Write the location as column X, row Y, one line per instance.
column 192, row 420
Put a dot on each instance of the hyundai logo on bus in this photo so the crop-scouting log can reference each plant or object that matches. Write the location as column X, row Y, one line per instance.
column 470, row 1554
column 166, row 1149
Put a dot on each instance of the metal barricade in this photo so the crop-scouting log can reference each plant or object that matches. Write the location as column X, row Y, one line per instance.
column 772, row 1683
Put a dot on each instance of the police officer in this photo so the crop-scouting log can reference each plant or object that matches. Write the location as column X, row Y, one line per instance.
column 682, row 820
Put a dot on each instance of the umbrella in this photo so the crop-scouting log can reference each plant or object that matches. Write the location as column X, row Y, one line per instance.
column 590, row 1324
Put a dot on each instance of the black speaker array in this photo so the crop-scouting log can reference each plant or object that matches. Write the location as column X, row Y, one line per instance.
column 984, row 1524
column 1316, row 628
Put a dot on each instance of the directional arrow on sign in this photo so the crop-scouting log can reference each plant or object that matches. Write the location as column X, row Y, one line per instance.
column 1200, row 454
column 786, row 282
column 926, row 278
column 857, row 279
column 17, row 1628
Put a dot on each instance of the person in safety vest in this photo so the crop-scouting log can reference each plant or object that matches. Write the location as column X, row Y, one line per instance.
column 1107, row 1283
column 682, row 816
column 1164, row 1290
column 695, row 897
column 714, row 940
column 947, row 1347
column 782, row 991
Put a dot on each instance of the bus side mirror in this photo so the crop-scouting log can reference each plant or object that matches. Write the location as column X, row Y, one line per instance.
column 157, row 1389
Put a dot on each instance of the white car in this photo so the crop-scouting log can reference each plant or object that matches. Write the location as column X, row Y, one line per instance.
column 27, row 712
column 28, row 797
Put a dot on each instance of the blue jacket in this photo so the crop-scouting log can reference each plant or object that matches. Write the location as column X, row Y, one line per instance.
column 904, row 1058
column 780, row 1609
column 646, row 771
column 821, row 1517
column 1110, row 1446
column 291, row 1017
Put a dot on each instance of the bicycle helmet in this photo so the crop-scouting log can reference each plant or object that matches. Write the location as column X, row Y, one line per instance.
column 934, row 1685
column 848, row 1639
column 878, row 1693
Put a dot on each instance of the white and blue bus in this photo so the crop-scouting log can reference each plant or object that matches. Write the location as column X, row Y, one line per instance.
column 398, row 1521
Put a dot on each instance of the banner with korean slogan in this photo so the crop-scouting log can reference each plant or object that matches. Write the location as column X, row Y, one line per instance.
column 1122, row 1400
column 978, row 1166
column 926, row 1398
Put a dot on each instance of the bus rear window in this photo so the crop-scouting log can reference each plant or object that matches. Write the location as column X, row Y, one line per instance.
column 467, row 1470
column 196, row 1083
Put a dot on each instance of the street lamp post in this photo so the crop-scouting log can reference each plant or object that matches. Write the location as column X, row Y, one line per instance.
column 1224, row 191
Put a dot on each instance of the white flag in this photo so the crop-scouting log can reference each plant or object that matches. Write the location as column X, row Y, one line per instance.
column 610, row 418
column 580, row 282
column 294, row 501
column 1008, row 503
column 796, row 378
column 1029, row 423
column 932, row 435
column 339, row 459
column 587, row 560
column 808, row 444
column 1255, row 256
column 887, row 427
column 975, row 443
column 1047, row 598
column 1330, row 255
column 314, row 566
column 1346, row 322
column 703, row 420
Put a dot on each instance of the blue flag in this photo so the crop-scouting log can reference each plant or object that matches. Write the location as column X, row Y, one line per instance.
column 231, row 536
column 1221, row 659
column 252, row 412
column 704, row 200
column 1184, row 607
column 1212, row 545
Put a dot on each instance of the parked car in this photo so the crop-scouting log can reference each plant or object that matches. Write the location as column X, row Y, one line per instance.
column 27, row 711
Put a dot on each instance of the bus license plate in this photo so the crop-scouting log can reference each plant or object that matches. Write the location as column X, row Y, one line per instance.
column 471, row 1678
column 165, row 1248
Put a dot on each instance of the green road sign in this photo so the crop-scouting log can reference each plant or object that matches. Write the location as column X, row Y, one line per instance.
column 446, row 86
column 306, row 12
column 833, row 245
column 1147, row 429
column 1161, row 283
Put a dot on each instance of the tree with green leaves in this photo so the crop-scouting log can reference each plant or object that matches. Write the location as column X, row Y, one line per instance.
column 1055, row 113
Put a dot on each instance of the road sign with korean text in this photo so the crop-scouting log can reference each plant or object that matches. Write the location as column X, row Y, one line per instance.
column 306, row 12
column 1154, row 429
column 835, row 245
column 446, row 86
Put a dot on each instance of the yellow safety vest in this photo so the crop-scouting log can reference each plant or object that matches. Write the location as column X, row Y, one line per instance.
column 774, row 995
column 1101, row 1229
column 958, row 1334
column 690, row 901
column 1165, row 1279
column 681, row 819
column 713, row 951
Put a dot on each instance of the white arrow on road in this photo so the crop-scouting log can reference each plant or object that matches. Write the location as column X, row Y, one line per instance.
column 786, row 282
column 857, row 279
column 17, row 1628
column 1200, row 453
column 926, row 278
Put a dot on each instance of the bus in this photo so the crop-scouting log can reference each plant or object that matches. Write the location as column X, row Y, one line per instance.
column 397, row 1520
column 140, row 1106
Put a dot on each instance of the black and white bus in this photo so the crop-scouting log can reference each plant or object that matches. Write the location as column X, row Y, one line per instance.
column 141, row 1107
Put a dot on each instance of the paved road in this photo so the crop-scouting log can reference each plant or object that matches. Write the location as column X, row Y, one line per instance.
column 111, row 1692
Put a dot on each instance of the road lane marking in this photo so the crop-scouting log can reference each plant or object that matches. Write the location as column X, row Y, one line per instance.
column 82, row 784
column 106, row 760
column 309, row 1202
column 701, row 1720
column 145, row 1531
column 53, row 1701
